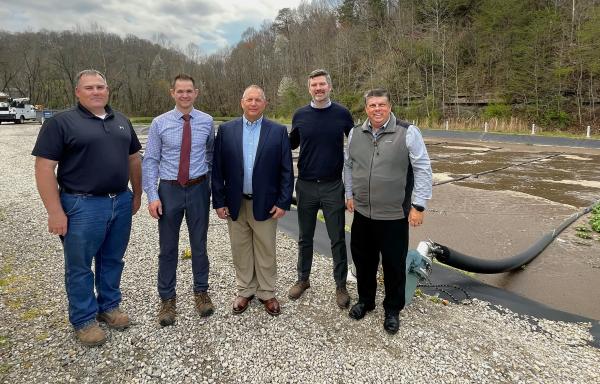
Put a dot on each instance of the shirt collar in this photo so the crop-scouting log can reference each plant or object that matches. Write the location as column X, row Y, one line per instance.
column 312, row 104
column 258, row 122
column 383, row 127
column 84, row 110
column 179, row 114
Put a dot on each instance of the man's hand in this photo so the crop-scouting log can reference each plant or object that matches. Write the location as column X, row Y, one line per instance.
column 57, row 223
column 222, row 212
column 350, row 205
column 155, row 209
column 277, row 212
column 415, row 218
column 136, row 203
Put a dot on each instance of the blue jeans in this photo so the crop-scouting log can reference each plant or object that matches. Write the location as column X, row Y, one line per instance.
column 98, row 228
column 193, row 203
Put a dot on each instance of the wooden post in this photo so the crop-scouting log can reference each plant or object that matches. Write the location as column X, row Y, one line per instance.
column 589, row 131
column 533, row 129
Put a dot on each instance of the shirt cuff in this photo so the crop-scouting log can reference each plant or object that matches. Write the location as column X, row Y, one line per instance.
column 152, row 196
column 420, row 202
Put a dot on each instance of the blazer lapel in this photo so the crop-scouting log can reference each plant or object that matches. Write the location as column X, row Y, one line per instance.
column 239, row 136
column 265, row 128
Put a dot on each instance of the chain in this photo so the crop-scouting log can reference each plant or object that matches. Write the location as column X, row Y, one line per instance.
column 443, row 288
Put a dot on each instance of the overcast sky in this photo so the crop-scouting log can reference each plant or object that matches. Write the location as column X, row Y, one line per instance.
column 211, row 24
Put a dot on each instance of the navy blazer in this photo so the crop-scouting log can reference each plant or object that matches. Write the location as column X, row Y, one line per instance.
column 272, row 175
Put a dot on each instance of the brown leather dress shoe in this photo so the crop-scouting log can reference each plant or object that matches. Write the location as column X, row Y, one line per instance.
column 240, row 304
column 272, row 306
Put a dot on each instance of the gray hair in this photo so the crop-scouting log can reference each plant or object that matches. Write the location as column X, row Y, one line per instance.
column 377, row 92
column 258, row 88
column 89, row 72
column 320, row 72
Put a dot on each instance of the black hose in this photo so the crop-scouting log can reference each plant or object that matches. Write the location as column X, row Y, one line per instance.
column 468, row 263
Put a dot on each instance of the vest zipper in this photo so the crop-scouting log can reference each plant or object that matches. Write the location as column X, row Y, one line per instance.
column 370, row 173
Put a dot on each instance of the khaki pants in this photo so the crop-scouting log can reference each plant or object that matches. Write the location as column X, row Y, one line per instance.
column 253, row 251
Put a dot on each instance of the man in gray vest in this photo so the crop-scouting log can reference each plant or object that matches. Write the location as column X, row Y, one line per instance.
column 388, row 181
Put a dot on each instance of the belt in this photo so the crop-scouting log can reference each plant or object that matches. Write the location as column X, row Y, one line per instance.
column 247, row 196
column 73, row 192
column 190, row 182
column 323, row 180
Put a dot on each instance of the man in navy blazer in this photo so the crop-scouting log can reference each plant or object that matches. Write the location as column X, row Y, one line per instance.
column 252, row 183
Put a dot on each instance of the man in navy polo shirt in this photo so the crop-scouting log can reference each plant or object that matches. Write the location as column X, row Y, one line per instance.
column 88, row 203
column 319, row 129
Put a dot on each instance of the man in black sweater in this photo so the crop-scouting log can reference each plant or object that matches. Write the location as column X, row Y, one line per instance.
column 319, row 129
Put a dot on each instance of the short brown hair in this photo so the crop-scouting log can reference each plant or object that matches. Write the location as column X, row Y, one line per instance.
column 320, row 72
column 377, row 92
column 184, row 77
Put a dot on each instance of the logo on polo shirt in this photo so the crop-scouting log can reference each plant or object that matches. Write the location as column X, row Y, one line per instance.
column 121, row 127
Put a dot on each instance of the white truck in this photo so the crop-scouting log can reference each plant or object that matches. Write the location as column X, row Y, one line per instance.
column 16, row 110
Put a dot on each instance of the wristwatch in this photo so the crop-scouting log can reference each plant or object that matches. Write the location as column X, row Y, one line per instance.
column 419, row 208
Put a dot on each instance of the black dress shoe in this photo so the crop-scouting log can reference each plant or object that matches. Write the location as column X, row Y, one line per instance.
column 391, row 323
column 359, row 310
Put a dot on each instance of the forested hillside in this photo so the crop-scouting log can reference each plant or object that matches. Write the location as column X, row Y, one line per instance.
column 535, row 60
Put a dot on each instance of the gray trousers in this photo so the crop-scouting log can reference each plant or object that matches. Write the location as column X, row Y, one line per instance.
column 328, row 196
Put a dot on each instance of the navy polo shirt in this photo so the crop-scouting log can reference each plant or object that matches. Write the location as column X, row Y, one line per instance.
column 92, row 153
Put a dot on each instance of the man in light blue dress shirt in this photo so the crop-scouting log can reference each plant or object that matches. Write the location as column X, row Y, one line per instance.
column 171, row 196
column 252, row 199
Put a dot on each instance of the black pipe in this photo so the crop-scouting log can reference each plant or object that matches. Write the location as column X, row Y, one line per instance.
column 468, row 263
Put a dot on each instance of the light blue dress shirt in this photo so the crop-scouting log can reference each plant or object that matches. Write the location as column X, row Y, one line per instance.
column 163, row 149
column 250, row 144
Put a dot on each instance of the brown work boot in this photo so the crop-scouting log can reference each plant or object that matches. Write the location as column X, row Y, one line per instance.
column 298, row 289
column 168, row 310
column 342, row 298
column 115, row 318
column 91, row 335
column 203, row 304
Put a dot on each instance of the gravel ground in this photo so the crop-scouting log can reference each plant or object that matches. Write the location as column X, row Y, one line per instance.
column 311, row 341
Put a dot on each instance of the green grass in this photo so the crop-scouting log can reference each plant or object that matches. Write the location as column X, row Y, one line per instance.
column 583, row 235
column 4, row 368
column 587, row 232
column 42, row 336
column 3, row 341
column 141, row 120
column 282, row 120
column 31, row 314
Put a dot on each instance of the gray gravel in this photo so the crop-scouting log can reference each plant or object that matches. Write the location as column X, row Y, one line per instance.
column 311, row 341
